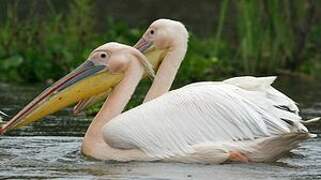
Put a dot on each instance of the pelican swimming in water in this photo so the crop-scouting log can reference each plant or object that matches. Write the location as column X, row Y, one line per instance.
column 241, row 119
column 113, row 68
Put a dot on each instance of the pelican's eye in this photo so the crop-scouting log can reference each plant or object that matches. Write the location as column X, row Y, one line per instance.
column 103, row 55
column 152, row 32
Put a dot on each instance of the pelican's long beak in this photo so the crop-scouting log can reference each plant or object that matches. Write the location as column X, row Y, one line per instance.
column 153, row 54
column 144, row 46
column 88, row 80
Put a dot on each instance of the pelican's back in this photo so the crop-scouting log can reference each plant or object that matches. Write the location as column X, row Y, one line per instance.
column 215, row 113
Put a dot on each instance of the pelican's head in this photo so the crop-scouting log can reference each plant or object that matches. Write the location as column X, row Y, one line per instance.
column 170, row 38
column 103, row 70
column 163, row 34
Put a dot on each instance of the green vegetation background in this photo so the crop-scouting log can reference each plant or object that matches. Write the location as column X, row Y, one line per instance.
column 269, row 37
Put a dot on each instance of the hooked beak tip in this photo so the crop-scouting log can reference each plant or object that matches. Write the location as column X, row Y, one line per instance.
column 143, row 45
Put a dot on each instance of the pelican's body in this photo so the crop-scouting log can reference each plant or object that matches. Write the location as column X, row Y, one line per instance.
column 241, row 119
column 203, row 122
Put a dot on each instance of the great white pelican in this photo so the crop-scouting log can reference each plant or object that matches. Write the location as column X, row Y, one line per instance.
column 241, row 119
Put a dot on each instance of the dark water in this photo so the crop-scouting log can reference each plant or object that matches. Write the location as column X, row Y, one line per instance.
column 50, row 148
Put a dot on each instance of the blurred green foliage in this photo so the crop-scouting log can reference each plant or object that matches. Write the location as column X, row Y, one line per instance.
column 270, row 37
column 38, row 50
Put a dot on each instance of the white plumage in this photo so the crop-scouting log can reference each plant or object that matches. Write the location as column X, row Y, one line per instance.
column 208, row 119
column 240, row 119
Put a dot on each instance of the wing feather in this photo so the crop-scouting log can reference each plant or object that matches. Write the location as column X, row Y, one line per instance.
column 195, row 114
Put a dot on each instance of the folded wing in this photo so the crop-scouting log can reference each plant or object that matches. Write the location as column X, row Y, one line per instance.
column 209, row 112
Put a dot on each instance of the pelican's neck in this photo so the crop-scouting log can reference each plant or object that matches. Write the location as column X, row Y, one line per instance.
column 115, row 103
column 167, row 71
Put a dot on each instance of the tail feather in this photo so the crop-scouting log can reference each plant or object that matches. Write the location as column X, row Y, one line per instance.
column 309, row 121
column 312, row 135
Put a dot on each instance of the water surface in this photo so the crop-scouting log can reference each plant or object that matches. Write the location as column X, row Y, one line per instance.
column 50, row 148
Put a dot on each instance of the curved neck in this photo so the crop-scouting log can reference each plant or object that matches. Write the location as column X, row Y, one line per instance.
column 116, row 101
column 167, row 71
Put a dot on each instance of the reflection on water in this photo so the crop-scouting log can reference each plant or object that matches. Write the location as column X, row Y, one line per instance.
column 50, row 148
